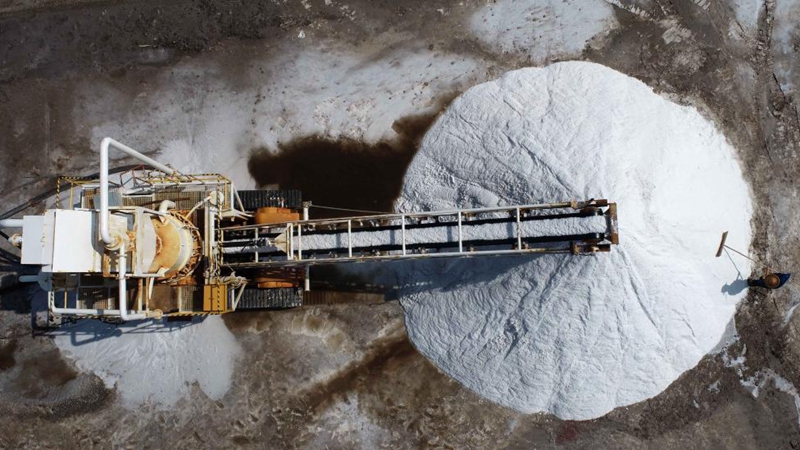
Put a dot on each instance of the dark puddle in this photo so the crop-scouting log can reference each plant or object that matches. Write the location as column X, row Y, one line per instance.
column 343, row 173
column 45, row 371
column 7, row 360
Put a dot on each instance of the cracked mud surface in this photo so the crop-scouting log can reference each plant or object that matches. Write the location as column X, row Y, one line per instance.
column 346, row 376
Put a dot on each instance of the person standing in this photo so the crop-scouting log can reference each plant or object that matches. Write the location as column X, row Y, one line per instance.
column 770, row 280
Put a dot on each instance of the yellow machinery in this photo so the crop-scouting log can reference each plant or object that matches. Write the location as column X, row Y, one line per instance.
column 154, row 242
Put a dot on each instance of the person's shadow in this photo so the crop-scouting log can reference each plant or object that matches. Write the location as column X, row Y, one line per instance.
column 737, row 285
column 734, row 287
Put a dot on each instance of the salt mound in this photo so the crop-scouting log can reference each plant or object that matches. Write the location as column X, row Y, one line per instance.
column 154, row 362
column 579, row 336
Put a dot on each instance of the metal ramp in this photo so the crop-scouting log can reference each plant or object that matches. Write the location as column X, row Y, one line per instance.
column 566, row 227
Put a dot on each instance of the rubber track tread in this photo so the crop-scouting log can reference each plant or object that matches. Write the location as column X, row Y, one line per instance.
column 278, row 198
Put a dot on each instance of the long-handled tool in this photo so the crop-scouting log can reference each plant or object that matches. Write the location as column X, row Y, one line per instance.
column 722, row 246
column 770, row 279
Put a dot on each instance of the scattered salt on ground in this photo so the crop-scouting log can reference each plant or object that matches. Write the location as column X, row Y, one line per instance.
column 579, row 336
column 746, row 13
column 202, row 124
column 759, row 380
column 542, row 28
column 785, row 36
column 154, row 362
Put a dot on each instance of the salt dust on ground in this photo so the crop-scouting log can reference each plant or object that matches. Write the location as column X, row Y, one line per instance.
column 154, row 362
column 202, row 121
column 543, row 29
column 201, row 124
column 579, row 336
column 746, row 13
column 205, row 126
column 785, row 45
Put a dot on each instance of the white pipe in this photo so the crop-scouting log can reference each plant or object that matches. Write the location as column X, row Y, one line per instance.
column 238, row 199
column 165, row 206
column 122, row 312
column 15, row 240
column 152, row 211
column 10, row 223
column 123, row 288
column 212, row 236
column 139, row 295
column 110, row 241
column 199, row 204
column 85, row 312
column 403, row 234
column 76, row 311
column 460, row 235
column 238, row 297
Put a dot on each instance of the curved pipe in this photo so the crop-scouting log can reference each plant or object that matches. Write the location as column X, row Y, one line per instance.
column 10, row 223
column 113, row 242
column 122, row 312
column 86, row 312
column 199, row 204
column 123, row 288
column 165, row 206
column 51, row 304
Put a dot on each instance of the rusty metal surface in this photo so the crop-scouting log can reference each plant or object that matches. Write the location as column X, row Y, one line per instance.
column 175, row 238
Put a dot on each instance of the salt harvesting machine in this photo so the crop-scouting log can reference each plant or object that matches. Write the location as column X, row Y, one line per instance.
column 157, row 243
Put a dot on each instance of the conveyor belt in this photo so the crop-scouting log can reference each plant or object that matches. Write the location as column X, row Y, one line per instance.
column 438, row 246
column 569, row 227
column 334, row 230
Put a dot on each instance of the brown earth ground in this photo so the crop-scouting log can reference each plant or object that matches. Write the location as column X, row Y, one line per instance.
column 291, row 392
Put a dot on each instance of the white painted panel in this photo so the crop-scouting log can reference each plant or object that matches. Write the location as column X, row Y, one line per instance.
column 48, row 232
column 145, row 243
column 76, row 247
column 33, row 236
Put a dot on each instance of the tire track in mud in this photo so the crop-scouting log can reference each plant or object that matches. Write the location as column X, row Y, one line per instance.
column 381, row 357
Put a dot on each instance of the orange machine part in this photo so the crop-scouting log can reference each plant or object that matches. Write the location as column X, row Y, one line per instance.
column 281, row 278
column 271, row 214
column 177, row 246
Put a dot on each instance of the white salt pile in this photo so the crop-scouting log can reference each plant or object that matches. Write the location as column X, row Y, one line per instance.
column 154, row 362
column 579, row 336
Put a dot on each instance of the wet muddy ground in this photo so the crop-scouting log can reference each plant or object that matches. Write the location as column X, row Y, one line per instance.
column 346, row 376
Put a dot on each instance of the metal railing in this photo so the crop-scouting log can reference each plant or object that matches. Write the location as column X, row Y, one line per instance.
column 409, row 235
